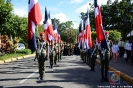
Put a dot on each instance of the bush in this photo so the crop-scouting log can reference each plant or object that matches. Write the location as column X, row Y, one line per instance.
column 113, row 35
column 25, row 51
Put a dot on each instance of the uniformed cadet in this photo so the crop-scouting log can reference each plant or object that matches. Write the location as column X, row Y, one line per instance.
column 43, row 44
column 61, row 49
column 93, row 56
column 105, row 58
column 51, row 53
column 56, row 53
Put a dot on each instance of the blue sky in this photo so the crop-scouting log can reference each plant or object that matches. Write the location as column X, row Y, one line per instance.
column 64, row 10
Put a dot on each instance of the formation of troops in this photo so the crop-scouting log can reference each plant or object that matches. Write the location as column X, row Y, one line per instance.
column 89, row 56
column 54, row 50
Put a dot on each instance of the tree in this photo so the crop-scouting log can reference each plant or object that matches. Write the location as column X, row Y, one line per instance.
column 68, row 35
column 5, row 14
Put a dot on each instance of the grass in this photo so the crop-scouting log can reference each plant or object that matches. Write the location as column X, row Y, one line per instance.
column 12, row 55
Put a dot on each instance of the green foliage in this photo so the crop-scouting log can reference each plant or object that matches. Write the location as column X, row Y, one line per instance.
column 113, row 35
column 25, row 51
column 68, row 35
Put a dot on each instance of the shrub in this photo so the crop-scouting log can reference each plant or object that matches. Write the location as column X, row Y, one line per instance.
column 25, row 51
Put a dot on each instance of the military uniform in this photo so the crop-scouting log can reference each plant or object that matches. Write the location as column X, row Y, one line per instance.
column 41, row 55
column 93, row 57
column 56, row 53
column 104, row 59
column 51, row 54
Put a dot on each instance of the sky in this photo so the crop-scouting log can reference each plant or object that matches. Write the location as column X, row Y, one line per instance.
column 64, row 10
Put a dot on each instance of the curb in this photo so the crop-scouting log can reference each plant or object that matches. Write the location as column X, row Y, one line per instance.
column 17, row 58
column 122, row 75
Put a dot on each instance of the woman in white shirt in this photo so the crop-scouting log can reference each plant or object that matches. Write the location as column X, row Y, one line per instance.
column 115, row 50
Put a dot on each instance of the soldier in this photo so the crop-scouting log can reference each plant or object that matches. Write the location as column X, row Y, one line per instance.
column 105, row 58
column 56, row 53
column 93, row 56
column 43, row 44
column 51, row 53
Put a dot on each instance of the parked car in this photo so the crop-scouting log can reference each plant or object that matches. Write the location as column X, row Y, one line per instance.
column 21, row 46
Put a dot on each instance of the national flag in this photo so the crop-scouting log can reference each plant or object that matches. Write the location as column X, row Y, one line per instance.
column 55, row 30
column 59, row 37
column 88, row 38
column 99, row 27
column 80, row 35
column 34, row 18
column 48, row 29
column 80, row 32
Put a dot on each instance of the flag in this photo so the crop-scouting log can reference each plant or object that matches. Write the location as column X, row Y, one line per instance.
column 80, row 32
column 34, row 18
column 55, row 30
column 58, row 32
column 99, row 27
column 80, row 35
column 88, row 38
column 48, row 29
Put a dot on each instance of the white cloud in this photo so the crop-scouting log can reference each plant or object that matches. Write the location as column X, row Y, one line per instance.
column 83, row 8
column 20, row 11
column 76, row 1
column 61, row 16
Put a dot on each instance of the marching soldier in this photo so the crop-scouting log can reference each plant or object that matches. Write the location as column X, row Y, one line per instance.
column 56, row 53
column 43, row 48
column 51, row 53
column 105, row 58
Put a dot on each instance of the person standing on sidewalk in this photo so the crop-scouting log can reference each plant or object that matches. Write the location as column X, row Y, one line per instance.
column 115, row 50
column 121, row 47
column 104, row 59
column 43, row 44
column 128, row 50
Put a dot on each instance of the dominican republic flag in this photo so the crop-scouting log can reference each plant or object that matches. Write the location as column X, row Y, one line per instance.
column 88, row 39
column 34, row 18
column 80, row 35
column 80, row 32
column 48, row 29
column 99, row 27
column 55, row 30
column 58, row 33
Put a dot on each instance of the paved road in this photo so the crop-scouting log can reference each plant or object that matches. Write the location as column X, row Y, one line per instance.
column 70, row 72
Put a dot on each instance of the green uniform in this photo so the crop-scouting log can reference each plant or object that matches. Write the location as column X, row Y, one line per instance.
column 93, row 57
column 42, row 57
column 104, row 59
column 56, row 54
column 51, row 55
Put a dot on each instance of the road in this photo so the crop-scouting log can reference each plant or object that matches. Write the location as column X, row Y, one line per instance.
column 70, row 72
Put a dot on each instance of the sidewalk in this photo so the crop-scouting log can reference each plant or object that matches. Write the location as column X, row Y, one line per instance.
column 126, row 69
